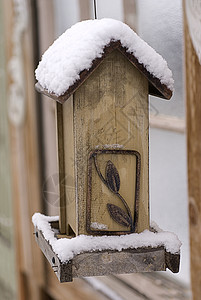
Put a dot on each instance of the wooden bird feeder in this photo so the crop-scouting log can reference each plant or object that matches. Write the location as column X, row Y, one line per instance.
column 103, row 143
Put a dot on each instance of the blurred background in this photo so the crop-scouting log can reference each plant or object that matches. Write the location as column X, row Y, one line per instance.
column 28, row 146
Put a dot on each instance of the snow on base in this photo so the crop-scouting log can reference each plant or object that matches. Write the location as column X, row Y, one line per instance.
column 108, row 146
column 66, row 248
column 99, row 226
column 155, row 226
column 75, row 50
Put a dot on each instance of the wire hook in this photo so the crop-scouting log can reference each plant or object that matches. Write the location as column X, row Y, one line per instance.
column 95, row 11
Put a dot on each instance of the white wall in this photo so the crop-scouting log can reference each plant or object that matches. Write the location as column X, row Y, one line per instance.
column 110, row 9
column 168, row 189
column 161, row 26
column 66, row 14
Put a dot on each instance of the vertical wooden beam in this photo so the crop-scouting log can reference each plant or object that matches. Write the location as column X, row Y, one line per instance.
column 193, row 117
column 130, row 13
column 23, row 145
column 46, row 38
column 7, row 248
column 61, row 163
column 69, row 165
column 84, row 7
column 8, row 13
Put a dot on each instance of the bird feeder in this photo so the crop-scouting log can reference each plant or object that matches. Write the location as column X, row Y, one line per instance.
column 100, row 73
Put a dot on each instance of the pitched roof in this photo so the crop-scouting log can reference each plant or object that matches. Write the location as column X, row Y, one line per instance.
column 80, row 50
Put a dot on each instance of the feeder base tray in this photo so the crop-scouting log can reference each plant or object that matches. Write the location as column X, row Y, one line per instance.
column 106, row 262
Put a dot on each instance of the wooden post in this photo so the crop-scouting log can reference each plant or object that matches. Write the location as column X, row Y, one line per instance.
column 84, row 8
column 60, row 157
column 193, row 117
column 7, row 248
column 130, row 13
column 46, row 28
column 23, row 146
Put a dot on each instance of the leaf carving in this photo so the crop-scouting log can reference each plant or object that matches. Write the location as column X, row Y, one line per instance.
column 119, row 215
column 112, row 177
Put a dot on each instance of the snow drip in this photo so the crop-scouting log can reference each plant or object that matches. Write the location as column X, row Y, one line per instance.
column 75, row 50
column 66, row 248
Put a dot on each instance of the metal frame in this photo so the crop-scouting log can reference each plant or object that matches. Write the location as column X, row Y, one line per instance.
column 92, row 159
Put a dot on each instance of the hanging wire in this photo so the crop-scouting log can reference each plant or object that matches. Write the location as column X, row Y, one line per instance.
column 95, row 12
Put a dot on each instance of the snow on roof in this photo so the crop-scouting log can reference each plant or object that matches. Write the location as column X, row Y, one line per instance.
column 66, row 248
column 76, row 49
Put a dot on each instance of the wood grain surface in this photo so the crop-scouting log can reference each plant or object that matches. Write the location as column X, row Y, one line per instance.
column 193, row 117
column 111, row 107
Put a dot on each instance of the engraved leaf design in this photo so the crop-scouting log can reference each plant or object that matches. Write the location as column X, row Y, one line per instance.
column 112, row 177
column 119, row 215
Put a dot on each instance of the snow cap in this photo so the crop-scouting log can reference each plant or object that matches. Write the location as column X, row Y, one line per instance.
column 66, row 248
column 70, row 59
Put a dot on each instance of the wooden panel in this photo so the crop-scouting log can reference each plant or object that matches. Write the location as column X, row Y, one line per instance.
column 193, row 116
column 119, row 262
column 112, row 288
column 62, row 271
column 106, row 262
column 77, row 289
column 99, row 213
column 69, row 165
column 153, row 286
column 150, row 286
column 111, row 107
